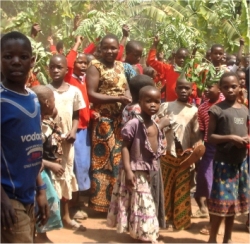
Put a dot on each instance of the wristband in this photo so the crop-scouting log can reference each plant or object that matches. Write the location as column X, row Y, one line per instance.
column 42, row 187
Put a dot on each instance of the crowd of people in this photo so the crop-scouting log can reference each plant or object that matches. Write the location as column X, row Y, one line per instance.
column 132, row 137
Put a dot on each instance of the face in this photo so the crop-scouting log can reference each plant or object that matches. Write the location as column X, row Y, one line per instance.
column 134, row 56
column 16, row 61
column 57, row 68
column 150, row 102
column 230, row 88
column 242, row 78
column 217, row 55
column 180, row 58
column 212, row 92
column 183, row 90
column 109, row 50
column 80, row 65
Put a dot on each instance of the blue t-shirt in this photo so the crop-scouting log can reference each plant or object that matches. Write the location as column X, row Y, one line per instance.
column 21, row 144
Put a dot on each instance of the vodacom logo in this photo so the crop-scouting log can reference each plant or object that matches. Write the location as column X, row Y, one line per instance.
column 34, row 137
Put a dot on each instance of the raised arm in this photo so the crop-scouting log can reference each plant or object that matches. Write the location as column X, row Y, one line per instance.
column 239, row 54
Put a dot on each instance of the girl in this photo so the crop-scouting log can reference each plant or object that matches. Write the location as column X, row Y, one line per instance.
column 132, row 206
column 228, row 130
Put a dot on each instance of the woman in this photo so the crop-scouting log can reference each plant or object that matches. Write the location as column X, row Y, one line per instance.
column 108, row 92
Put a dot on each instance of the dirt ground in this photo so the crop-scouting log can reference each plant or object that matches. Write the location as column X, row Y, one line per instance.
column 98, row 232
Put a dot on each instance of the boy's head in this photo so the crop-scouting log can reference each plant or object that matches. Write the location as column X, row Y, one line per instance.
column 58, row 67
column 212, row 92
column 16, row 57
column 230, row 59
column 245, row 61
column 46, row 99
column 80, row 64
column 90, row 57
column 59, row 47
column 149, row 100
column 183, row 89
column 136, row 83
column 217, row 53
column 242, row 77
column 133, row 52
column 150, row 72
column 230, row 86
column 180, row 56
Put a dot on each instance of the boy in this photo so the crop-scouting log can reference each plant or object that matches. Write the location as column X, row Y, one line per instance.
column 20, row 124
column 183, row 133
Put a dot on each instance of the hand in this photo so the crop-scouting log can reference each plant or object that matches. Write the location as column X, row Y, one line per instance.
column 43, row 208
column 164, row 121
column 78, row 39
column 240, row 142
column 156, row 40
column 8, row 216
column 130, row 179
column 57, row 169
column 95, row 115
column 71, row 136
column 242, row 42
column 35, row 29
column 50, row 40
column 125, row 100
column 125, row 30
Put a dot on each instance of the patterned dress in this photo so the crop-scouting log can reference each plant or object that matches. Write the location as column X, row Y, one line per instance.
column 106, row 136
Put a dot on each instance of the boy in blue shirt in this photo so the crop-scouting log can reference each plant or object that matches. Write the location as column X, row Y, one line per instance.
column 21, row 144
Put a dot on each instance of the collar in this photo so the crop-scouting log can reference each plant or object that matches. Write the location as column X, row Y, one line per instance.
column 79, row 78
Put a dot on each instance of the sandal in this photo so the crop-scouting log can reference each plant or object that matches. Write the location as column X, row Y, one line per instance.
column 199, row 214
column 205, row 230
column 75, row 226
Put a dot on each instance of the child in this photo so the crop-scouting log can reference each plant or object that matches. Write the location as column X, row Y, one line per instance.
column 228, row 130
column 243, row 95
column 132, row 206
column 133, row 55
column 47, row 103
column 217, row 55
column 169, row 71
column 182, row 134
column 21, row 144
column 204, row 176
column 69, row 101
column 77, row 65
column 135, row 85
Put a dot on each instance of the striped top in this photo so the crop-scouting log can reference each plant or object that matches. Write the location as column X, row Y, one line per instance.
column 203, row 116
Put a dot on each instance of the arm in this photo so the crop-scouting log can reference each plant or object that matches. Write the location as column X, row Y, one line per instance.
column 92, row 81
column 8, row 216
column 71, row 136
column 35, row 29
column 129, row 175
column 55, row 167
column 239, row 54
column 218, row 139
column 42, row 203
column 51, row 45
column 125, row 34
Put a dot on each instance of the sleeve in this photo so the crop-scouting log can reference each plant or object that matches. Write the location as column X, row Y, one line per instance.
column 128, row 131
column 53, row 49
column 163, row 110
column 78, row 100
column 215, row 110
column 120, row 53
column 129, row 71
column 70, row 64
column 200, row 119
column 90, row 49
column 160, row 67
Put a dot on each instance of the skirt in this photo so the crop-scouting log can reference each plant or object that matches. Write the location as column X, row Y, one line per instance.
column 204, row 177
column 176, row 181
column 106, row 156
column 230, row 190
column 82, row 159
column 54, row 221
column 133, row 210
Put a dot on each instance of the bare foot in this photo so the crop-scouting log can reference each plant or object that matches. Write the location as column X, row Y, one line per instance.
column 42, row 238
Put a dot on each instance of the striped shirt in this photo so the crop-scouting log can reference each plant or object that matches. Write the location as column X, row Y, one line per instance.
column 203, row 116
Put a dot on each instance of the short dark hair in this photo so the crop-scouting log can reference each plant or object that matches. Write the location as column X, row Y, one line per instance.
column 181, row 49
column 59, row 46
column 16, row 35
column 109, row 36
column 136, row 83
column 227, row 74
column 216, row 46
column 145, row 89
column 131, row 45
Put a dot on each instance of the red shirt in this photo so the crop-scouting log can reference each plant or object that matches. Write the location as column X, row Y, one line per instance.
column 203, row 116
column 84, row 114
